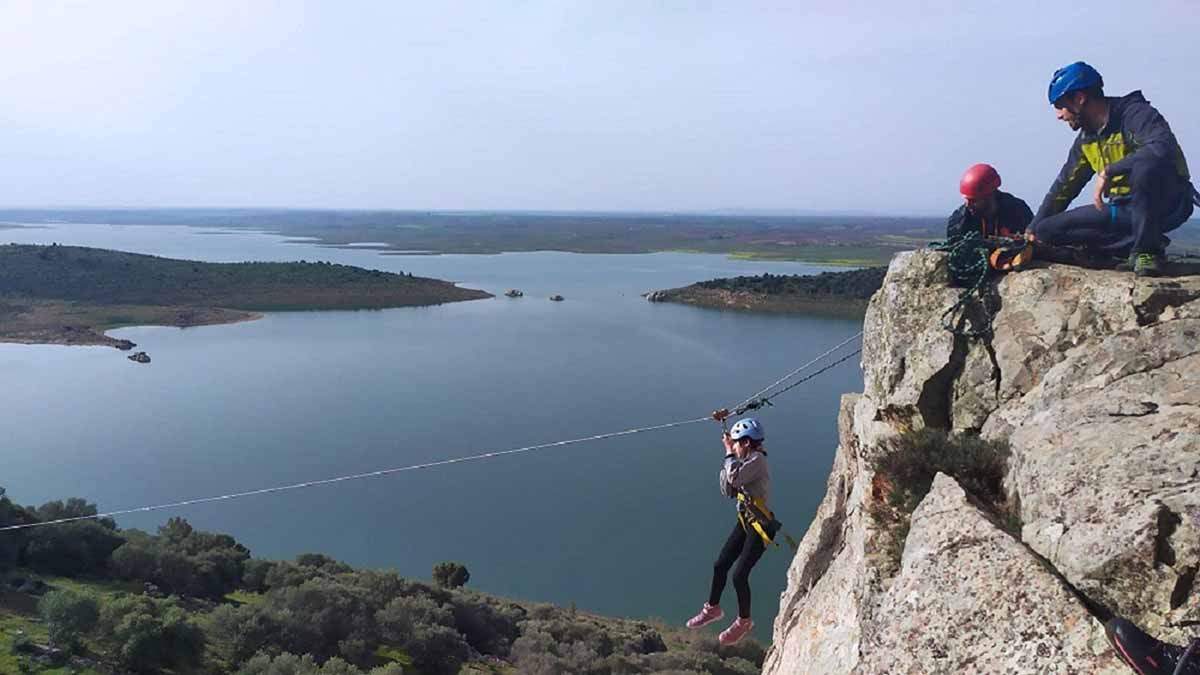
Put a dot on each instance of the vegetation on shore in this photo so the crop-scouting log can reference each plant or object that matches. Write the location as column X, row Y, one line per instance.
column 833, row 239
column 843, row 293
column 71, row 294
column 90, row 597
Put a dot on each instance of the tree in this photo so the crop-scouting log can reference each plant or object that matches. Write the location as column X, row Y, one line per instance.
column 68, row 616
column 425, row 630
column 182, row 560
column 70, row 549
column 145, row 635
column 74, row 507
column 450, row 574
column 13, row 542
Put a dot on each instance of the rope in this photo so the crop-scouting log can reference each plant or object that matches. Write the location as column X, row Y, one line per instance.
column 356, row 476
column 785, row 378
column 968, row 264
column 766, row 401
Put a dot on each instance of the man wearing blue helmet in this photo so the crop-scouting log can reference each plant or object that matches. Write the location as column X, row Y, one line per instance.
column 743, row 477
column 1139, row 166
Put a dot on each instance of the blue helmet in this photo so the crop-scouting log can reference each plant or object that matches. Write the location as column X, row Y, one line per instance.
column 1074, row 77
column 748, row 427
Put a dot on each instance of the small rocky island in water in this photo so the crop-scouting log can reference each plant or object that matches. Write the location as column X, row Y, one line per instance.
column 843, row 293
column 71, row 295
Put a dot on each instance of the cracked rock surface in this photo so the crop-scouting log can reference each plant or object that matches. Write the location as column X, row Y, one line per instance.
column 1094, row 379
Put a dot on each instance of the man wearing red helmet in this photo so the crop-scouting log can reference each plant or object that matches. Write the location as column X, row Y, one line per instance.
column 987, row 211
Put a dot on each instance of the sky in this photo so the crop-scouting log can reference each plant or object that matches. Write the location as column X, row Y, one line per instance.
column 558, row 105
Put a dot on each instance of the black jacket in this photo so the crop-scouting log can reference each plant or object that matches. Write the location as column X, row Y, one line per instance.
column 1013, row 216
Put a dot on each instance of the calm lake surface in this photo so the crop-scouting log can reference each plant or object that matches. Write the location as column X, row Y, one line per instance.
column 626, row 526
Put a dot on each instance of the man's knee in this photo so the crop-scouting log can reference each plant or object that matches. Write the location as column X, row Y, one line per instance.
column 1050, row 230
column 1152, row 174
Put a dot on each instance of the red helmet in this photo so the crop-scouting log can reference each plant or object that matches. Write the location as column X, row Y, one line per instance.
column 979, row 181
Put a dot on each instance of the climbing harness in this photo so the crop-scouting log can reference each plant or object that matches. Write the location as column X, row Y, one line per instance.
column 754, row 515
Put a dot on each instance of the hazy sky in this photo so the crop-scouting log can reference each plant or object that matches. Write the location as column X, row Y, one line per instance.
column 561, row 105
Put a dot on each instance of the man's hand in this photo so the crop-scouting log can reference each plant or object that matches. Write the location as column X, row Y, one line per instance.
column 1101, row 190
column 728, row 442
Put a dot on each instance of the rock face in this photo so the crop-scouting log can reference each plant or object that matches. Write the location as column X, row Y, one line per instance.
column 1093, row 377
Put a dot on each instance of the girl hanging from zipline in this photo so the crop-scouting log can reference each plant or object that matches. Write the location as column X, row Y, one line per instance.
column 743, row 477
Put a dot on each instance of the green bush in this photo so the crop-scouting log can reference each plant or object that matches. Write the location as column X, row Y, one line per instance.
column 254, row 575
column 450, row 574
column 907, row 464
column 145, row 635
column 233, row 634
column 68, row 617
column 488, row 626
column 911, row 460
column 426, row 630
column 323, row 563
column 182, row 561
column 290, row 664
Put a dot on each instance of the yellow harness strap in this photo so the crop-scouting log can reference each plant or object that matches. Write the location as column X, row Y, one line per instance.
column 757, row 510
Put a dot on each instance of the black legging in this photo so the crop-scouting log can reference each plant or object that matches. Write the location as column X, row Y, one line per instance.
column 745, row 550
column 1160, row 201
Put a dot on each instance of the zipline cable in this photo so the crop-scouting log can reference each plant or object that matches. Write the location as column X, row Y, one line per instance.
column 797, row 371
column 749, row 404
column 766, row 400
column 356, row 476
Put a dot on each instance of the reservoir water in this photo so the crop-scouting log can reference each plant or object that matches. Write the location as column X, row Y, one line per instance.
column 627, row 526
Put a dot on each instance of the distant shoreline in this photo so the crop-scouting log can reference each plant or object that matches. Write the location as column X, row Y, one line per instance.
column 80, row 325
column 753, row 302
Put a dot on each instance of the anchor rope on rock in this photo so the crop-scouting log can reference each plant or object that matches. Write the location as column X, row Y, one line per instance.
column 969, row 267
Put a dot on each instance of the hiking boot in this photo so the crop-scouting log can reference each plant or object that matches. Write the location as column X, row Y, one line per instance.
column 1148, row 265
column 1145, row 654
column 736, row 631
column 708, row 614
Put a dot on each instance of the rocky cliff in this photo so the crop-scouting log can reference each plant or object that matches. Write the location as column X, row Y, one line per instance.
column 1093, row 379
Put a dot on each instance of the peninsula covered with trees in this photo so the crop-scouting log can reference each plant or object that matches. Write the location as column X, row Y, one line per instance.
column 843, row 293
column 71, row 295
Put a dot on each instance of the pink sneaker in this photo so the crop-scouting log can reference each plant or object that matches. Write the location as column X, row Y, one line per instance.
column 736, row 631
column 708, row 614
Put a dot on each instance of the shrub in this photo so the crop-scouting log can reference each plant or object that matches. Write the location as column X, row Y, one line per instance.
column 145, row 635
column 450, row 574
column 68, row 616
column 290, row 664
column 906, row 466
column 234, row 634
column 317, row 616
column 488, row 627
column 426, row 630
column 254, row 575
column 182, row 561
column 70, row 549
column 323, row 562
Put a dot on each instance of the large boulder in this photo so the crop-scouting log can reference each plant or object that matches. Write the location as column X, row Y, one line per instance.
column 1093, row 378
column 971, row 598
column 1106, row 463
